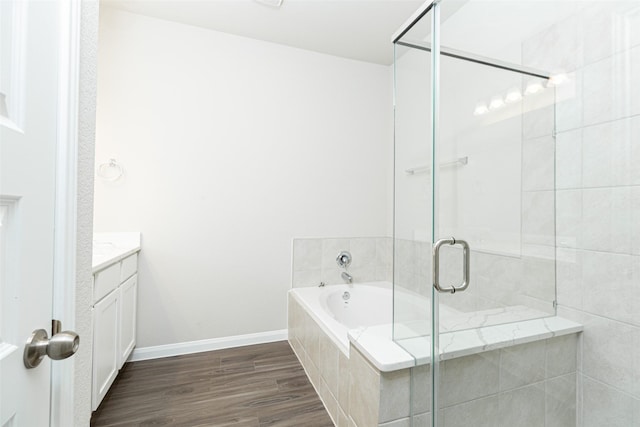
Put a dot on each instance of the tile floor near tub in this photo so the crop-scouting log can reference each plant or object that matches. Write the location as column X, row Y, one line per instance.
column 252, row 386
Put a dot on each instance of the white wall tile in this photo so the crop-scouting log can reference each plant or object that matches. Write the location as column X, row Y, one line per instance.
column 328, row 363
column 421, row 389
column 307, row 254
column 363, row 251
column 610, row 90
column 600, row 32
column 538, row 163
column 343, row 419
column 537, row 121
column 605, row 406
column 568, row 159
column 364, row 388
column 305, row 278
column 610, row 288
column 384, row 252
column 538, row 225
column 634, row 58
column 606, row 219
column 422, row 420
column 606, row 154
column 328, row 400
column 523, row 407
column 561, row 355
column 482, row 412
column 569, row 218
column 538, row 278
column 395, row 395
column 567, row 52
column 635, row 217
column 609, row 350
column 569, row 104
column 522, row 365
column 343, row 382
column 560, row 401
column 405, row 422
column 468, row 378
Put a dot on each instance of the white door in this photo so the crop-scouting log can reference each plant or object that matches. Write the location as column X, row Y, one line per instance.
column 28, row 128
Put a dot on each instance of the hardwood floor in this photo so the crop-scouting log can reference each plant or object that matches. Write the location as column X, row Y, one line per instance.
column 253, row 386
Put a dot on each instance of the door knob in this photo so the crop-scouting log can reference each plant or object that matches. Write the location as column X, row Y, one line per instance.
column 60, row 346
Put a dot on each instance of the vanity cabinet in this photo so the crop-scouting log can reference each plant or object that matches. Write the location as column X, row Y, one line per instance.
column 115, row 290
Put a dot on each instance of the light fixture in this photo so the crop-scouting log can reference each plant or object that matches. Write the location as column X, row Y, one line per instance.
column 496, row 102
column 533, row 87
column 481, row 108
column 557, row 79
column 513, row 95
column 272, row 3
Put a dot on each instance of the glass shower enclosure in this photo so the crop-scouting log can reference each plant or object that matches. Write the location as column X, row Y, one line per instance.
column 474, row 198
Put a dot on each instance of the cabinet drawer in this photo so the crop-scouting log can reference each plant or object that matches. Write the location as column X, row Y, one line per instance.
column 106, row 281
column 129, row 267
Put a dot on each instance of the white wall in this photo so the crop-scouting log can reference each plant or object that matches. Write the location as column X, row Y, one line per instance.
column 232, row 147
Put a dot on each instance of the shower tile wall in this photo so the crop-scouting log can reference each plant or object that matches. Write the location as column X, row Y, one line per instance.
column 314, row 260
column 598, row 200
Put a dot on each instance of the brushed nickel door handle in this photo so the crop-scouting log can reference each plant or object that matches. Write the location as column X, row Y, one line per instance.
column 466, row 266
column 60, row 346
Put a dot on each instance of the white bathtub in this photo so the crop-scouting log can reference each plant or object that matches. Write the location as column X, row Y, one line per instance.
column 367, row 316
column 368, row 304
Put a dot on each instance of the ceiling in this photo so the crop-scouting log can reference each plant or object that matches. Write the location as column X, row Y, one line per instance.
column 356, row 29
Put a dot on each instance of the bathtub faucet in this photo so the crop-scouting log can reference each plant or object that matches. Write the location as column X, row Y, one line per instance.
column 347, row 277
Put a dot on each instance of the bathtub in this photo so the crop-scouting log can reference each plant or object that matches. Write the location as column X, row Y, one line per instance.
column 344, row 342
column 368, row 304
column 344, row 310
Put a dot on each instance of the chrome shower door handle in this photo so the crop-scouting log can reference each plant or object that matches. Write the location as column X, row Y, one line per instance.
column 466, row 266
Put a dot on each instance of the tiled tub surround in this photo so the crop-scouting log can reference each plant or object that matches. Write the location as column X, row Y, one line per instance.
column 498, row 374
column 314, row 260
column 498, row 280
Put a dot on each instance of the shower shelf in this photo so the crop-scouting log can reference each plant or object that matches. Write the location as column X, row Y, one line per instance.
column 425, row 169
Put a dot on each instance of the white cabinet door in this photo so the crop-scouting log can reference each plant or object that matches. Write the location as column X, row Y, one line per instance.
column 29, row 38
column 105, row 346
column 128, row 302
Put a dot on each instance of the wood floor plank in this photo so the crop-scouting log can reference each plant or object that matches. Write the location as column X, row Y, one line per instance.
column 252, row 386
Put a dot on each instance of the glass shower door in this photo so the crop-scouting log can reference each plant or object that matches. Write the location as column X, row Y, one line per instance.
column 493, row 219
column 474, row 214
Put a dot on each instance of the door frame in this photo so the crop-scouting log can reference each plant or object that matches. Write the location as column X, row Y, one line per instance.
column 62, row 407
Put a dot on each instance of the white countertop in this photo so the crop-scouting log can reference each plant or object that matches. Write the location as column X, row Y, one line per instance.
column 376, row 344
column 109, row 248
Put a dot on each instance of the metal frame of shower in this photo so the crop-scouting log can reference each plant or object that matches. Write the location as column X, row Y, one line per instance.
column 455, row 53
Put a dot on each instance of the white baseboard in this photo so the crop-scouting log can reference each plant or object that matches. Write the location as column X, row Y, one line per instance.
column 168, row 350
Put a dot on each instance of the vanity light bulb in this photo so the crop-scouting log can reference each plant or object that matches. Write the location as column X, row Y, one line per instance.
column 513, row 95
column 533, row 87
column 481, row 109
column 557, row 79
column 496, row 102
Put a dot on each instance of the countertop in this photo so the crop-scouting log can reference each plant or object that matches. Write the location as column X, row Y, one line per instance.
column 109, row 248
column 376, row 344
